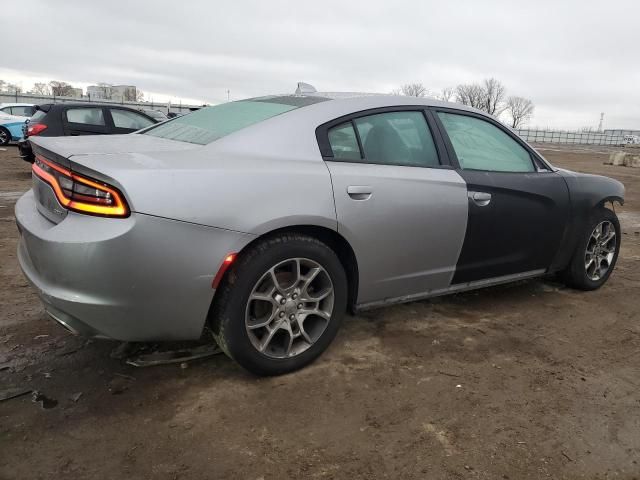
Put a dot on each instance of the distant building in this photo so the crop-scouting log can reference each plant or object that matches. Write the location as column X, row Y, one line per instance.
column 123, row 93
column 115, row 93
column 99, row 92
column 76, row 93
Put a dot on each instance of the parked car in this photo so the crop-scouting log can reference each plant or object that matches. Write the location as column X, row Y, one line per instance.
column 632, row 139
column 12, row 118
column 157, row 115
column 263, row 220
column 73, row 119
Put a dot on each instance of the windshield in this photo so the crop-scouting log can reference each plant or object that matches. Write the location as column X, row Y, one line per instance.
column 211, row 123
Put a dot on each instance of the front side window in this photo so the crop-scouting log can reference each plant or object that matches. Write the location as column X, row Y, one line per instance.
column 129, row 120
column 87, row 116
column 479, row 145
column 394, row 138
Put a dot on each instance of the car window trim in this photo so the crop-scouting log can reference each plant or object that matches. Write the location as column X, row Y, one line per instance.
column 322, row 135
column 536, row 159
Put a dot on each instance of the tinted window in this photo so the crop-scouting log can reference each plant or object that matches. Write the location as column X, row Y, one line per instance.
column 130, row 120
column 88, row 116
column 37, row 116
column 344, row 143
column 211, row 123
column 479, row 145
column 21, row 111
column 397, row 138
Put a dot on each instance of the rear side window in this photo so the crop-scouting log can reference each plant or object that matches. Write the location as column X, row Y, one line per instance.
column 344, row 143
column 479, row 145
column 22, row 111
column 129, row 120
column 211, row 123
column 394, row 138
column 87, row 116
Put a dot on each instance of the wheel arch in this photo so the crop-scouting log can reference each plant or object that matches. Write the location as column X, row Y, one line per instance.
column 333, row 240
column 610, row 199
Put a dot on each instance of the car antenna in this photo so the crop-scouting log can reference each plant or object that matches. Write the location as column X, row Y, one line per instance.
column 304, row 88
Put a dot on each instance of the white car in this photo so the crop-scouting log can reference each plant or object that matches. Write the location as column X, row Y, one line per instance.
column 632, row 139
column 12, row 118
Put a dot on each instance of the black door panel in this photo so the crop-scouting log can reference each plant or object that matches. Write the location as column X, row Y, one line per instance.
column 519, row 229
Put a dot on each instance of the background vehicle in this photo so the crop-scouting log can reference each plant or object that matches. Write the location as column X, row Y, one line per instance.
column 632, row 139
column 73, row 119
column 12, row 118
column 265, row 219
column 155, row 114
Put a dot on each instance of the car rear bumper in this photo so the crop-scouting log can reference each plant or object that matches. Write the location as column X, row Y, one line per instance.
column 140, row 278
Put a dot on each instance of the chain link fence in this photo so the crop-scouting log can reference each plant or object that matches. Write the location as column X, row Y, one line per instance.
column 578, row 138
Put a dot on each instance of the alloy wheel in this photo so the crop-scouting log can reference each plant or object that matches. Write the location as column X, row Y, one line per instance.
column 600, row 250
column 289, row 308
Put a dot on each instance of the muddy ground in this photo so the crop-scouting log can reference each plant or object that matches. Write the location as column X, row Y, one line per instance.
column 526, row 381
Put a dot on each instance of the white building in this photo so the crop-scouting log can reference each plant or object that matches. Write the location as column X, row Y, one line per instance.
column 116, row 93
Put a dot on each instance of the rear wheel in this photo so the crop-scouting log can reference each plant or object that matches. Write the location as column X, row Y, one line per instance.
column 596, row 253
column 280, row 305
column 5, row 136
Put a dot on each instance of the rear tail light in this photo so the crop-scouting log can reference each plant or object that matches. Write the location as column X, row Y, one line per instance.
column 80, row 193
column 36, row 129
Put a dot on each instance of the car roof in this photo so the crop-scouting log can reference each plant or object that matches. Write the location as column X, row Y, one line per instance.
column 2, row 105
column 345, row 103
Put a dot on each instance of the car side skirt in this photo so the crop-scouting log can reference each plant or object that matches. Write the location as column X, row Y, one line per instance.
column 457, row 288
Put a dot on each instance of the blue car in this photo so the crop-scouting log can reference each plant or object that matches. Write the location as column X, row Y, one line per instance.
column 12, row 118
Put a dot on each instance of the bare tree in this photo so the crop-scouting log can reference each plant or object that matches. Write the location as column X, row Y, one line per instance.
column 2, row 85
column 520, row 109
column 447, row 94
column 139, row 96
column 41, row 89
column 471, row 95
column 494, row 93
column 13, row 88
column 414, row 90
column 60, row 89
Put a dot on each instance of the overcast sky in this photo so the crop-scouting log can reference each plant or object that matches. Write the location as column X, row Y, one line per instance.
column 574, row 59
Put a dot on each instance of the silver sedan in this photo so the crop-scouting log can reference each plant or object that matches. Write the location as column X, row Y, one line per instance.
column 262, row 221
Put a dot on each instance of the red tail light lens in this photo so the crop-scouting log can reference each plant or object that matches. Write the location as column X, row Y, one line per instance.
column 80, row 193
column 35, row 129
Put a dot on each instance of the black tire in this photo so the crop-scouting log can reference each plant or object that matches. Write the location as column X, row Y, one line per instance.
column 575, row 275
column 5, row 136
column 230, row 303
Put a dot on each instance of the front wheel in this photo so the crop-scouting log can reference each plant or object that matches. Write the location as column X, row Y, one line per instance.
column 5, row 136
column 280, row 305
column 596, row 252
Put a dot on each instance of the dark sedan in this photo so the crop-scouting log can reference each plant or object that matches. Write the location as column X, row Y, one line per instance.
column 73, row 119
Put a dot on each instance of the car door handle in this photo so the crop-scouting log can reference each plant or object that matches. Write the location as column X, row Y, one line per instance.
column 359, row 192
column 482, row 199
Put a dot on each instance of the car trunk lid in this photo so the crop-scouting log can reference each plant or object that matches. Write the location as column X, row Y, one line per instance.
column 94, row 157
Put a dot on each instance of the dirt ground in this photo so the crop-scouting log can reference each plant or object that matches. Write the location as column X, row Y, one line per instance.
column 525, row 381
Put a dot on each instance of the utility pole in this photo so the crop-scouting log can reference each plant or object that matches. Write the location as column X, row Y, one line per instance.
column 601, row 119
column 228, row 95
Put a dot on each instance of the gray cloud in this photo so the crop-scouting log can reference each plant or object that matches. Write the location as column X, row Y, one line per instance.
column 574, row 59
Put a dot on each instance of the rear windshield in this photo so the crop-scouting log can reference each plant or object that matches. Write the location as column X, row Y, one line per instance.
column 38, row 116
column 211, row 123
